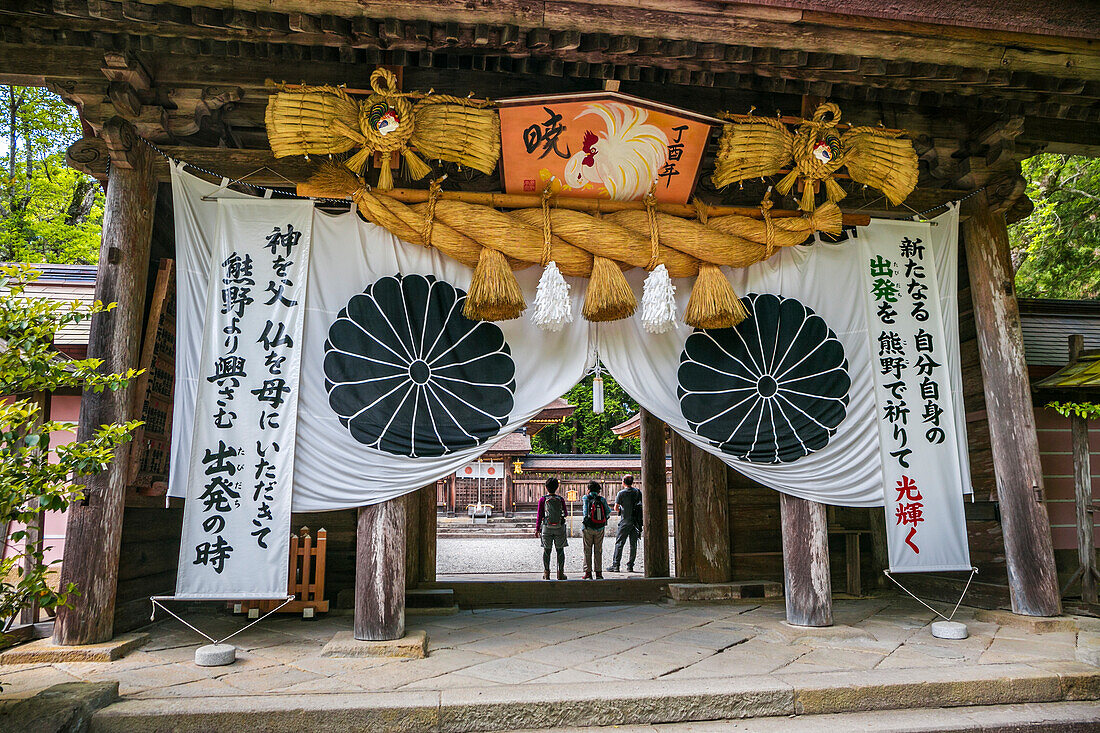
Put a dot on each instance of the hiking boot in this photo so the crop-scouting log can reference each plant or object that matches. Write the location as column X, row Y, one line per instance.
column 561, row 575
column 587, row 576
column 546, row 575
column 630, row 568
column 612, row 568
column 599, row 576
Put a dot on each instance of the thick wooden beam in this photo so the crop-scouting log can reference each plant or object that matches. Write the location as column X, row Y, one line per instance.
column 1082, row 490
column 654, row 496
column 1032, row 576
column 94, row 531
column 710, row 505
column 429, row 514
column 807, row 582
column 683, row 515
column 380, row 572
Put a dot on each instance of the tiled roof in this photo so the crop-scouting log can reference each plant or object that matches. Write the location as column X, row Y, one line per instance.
column 1048, row 324
column 66, row 283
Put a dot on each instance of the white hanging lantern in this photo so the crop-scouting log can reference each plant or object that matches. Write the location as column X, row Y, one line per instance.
column 597, row 394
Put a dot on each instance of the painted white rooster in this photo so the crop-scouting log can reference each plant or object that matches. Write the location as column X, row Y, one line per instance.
column 624, row 158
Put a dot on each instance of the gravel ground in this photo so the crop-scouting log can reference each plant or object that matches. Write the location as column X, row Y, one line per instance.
column 519, row 555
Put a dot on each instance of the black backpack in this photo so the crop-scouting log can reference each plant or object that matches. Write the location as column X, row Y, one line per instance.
column 555, row 510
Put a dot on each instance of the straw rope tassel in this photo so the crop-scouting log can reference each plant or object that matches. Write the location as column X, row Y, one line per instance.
column 658, row 293
column 552, row 309
column 713, row 302
column 608, row 297
column 494, row 293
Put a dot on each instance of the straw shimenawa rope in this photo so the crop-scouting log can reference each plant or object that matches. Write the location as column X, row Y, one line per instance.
column 581, row 245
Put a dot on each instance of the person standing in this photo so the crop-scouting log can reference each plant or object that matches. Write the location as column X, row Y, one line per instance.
column 628, row 504
column 596, row 511
column 550, row 528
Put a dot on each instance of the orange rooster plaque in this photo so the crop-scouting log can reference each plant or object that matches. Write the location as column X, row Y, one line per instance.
column 601, row 145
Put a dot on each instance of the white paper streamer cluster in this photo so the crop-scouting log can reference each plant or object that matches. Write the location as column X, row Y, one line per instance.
column 552, row 310
column 658, row 302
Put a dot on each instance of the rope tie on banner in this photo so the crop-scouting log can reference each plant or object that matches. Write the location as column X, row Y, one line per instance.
column 650, row 201
column 973, row 572
column 156, row 601
column 769, row 225
column 435, row 190
column 546, row 193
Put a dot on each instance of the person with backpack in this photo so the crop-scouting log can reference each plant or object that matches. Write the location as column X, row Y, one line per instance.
column 629, row 506
column 596, row 511
column 550, row 528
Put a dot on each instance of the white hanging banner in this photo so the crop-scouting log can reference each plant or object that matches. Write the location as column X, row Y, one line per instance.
column 923, row 480
column 398, row 389
column 236, row 525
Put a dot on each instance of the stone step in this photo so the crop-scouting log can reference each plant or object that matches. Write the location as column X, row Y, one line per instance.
column 629, row 702
column 694, row 592
column 1050, row 717
column 429, row 598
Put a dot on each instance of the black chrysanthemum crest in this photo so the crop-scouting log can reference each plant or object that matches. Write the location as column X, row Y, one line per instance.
column 408, row 374
column 771, row 390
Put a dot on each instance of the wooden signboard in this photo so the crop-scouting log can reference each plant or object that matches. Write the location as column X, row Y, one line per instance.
column 601, row 145
column 148, row 469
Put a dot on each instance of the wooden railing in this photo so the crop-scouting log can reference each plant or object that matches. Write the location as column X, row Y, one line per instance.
column 306, row 581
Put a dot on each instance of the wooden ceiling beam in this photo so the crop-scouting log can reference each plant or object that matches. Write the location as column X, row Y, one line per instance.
column 516, row 25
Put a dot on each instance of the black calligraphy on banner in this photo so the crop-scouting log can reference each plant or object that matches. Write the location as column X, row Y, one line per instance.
column 922, row 487
column 247, row 402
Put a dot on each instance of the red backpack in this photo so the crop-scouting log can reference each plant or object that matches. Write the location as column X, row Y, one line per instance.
column 597, row 511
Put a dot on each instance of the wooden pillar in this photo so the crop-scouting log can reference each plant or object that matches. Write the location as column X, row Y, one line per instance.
column 380, row 572
column 429, row 513
column 1082, row 489
column 654, row 497
column 807, row 583
column 683, row 514
column 94, row 532
column 710, row 506
column 412, row 538
column 1029, row 556
column 880, row 553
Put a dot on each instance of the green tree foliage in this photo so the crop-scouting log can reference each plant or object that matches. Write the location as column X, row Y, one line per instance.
column 48, row 211
column 33, row 476
column 1056, row 250
column 587, row 432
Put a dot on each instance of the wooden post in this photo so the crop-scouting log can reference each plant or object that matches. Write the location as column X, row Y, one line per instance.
column 94, row 532
column 808, row 585
column 1082, row 489
column 1029, row 555
column 654, row 497
column 429, row 514
column 710, row 506
column 683, row 515
column 36, row 530
column 380, row 572
column 880, row 553
column 412, row 538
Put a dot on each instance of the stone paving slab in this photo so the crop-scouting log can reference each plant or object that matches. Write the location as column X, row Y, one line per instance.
column 590, row 644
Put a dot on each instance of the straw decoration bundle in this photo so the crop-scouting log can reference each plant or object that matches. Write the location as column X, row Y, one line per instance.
column 325, row 120
column 752, row 147
column 495, row 243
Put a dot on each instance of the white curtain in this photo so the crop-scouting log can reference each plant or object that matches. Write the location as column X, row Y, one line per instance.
column 396, row 389
column 820, row 441
column 364, row 283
